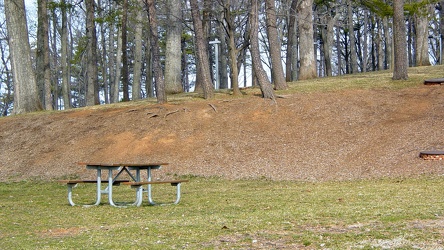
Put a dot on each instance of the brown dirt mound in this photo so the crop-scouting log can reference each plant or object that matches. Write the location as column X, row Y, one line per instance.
column 340, row 135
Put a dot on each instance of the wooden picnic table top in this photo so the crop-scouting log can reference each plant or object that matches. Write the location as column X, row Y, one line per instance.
column 124, row 164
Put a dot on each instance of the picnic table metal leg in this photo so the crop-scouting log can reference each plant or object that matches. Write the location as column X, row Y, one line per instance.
column 139, row 196
column 110, row 188
column 99, row 187
column 150, row 199
column 139, row 190
column 177, row 192
column 70, row 187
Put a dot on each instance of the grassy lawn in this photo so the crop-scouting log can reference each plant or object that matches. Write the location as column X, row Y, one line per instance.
column 216, row 213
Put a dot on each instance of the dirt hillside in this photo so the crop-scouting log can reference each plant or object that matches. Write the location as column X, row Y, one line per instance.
column 341, row 135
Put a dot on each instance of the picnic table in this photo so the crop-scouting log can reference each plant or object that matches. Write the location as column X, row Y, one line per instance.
column 133, row 170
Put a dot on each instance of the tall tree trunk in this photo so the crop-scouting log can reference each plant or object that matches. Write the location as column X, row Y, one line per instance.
column 42, row 60
column 380, row 51
column 389, row 51
column 66, row 91
column 261, row 75
column 92, row 93
column 291, row 44
column 339, row 49
column 202, row 52
column 149, row 84
column 103, row 58
column 223, row 72
column 327, row 34
column 399, row 35
column 137, row 90
column 7, row 98
column 113, row 94
column 173, row 53
column 351, row 28
column 115, row 88
column 422, row 36
column 232, row 49
column 441, row 31
column 25, row 85
column 365, row 42
column 307, row 68
column 157, row 67
column 125, row 76
column 277, row 72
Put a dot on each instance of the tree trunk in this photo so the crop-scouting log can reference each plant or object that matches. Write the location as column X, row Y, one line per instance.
column 365, row 42
column 307, row 68
column 389, row 58
column 202, row 52
column 232, row 49
column 351, row 28
column 327, row 34
column 42, row 60
column 379, row 42
column 137, row 90
column 173, row 53
column 25, row 86
column 441, row 31
column 125, row 76
column 149, row 85
column 422, row 36
column 223, row 69
column 115, row 88
column 339, row 49
column 277, row 72
column 92, row 93
column 400, row 44
column 7, row 98
column 261, row 75
column 112, row 61
column 291, row 44
column 157, row 67
column 66, row 91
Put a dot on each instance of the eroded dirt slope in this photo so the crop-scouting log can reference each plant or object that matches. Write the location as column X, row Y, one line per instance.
column 341, row 135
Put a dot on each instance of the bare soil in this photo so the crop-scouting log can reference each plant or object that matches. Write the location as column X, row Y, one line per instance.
column 340, row 135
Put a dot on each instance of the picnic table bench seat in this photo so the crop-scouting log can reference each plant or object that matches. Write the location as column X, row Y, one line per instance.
column 141, row 183
column 115, row 182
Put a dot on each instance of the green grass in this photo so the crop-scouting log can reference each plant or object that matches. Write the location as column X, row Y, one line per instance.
column 368, row 80
column 216, row 213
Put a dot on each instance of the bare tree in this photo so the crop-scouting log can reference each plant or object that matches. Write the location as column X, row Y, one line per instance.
column 422, row 37
column 66, row 91
column 400, row 44
column 92, row 93
column 173, row 79
column 42, row 56
column 154, row 38
column 261, row 75
column 352, row 39
column 25, row 86
column 307, row 68
column 138, row 30
column 327, row 33
column 201, row 52
column 124, row 69
column 277, row 72
column 290, row 64
column 232, row 49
